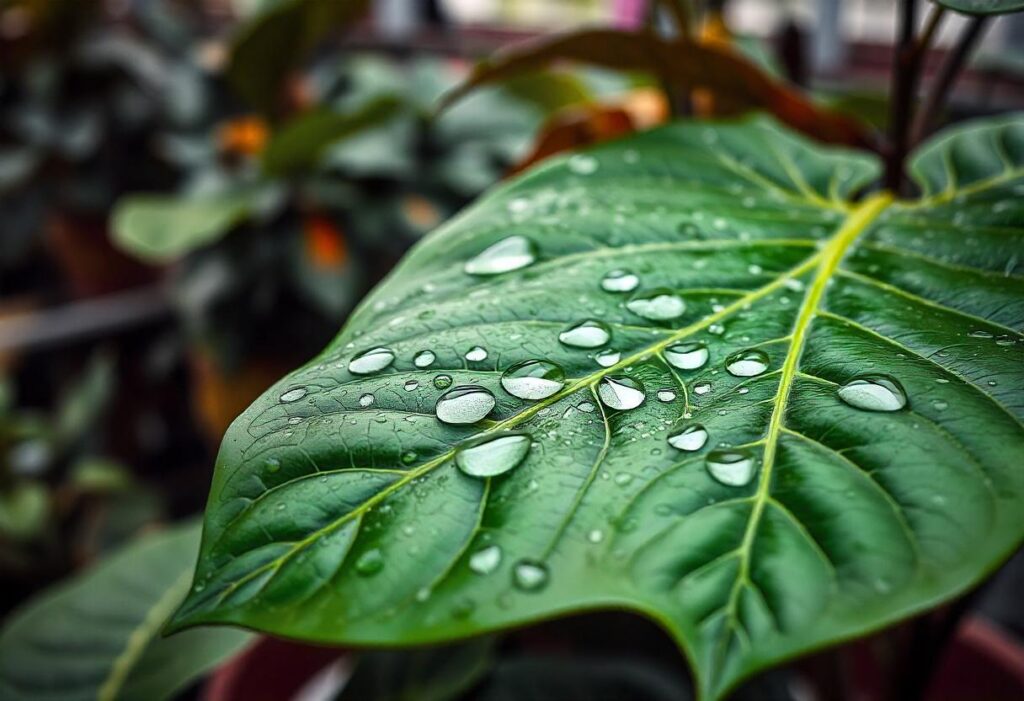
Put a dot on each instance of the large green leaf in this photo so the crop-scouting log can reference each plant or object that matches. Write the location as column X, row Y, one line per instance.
column 338, row 512
column 98, row 636
column 983, row 7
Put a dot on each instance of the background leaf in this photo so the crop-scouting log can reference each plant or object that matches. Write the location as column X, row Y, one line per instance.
column 98, row 635
column 983, row 7
column 344, row 510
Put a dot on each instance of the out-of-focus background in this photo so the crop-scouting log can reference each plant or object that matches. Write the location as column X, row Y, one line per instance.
column 123, row 357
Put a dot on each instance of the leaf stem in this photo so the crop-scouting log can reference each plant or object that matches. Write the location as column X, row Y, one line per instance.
column 905, row 58
column 948, row 73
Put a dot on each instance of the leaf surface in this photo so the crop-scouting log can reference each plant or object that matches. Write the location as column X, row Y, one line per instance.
column 98, row 636
column 338, row 512
column 983, row 7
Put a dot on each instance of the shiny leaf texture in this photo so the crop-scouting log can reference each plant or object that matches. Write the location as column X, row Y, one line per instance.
column 983, row 7
column 767, row 415
column 98, row 635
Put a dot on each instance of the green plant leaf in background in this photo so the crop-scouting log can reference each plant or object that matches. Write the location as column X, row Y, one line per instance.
column 98, row 635
column 983, row 7
column 684, row 374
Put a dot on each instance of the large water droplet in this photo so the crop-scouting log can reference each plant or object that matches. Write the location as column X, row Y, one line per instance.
column 689, row 438
column 370, row 563
column 465, row 404
column 687, row 356
column 620, row 392
column 620, row 281
column 509, row 254
column 590, row 333
column 476, row 354
column 491, row 456
column 371, row 361
column 530, row 575
column 657, row 305
column 485, row 560
column 533, row 379
column 874, row 392
column 734, row 468
column 293, row 395
column 747, row 363
column 424, row 359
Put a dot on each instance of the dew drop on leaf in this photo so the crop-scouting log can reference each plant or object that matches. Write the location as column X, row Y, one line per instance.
column 620, row 392
column 485, row 560
column 657, row 305
column 702, row 388
column 509, row 254
column 370, row 563
column 687, row 356
column 411, row 385
column 747, row 363
column 874, row 392
column 493, row 455
column 476, row 354
column 582, row 164
column 589, row 333
column 293, row 395
column 620, row 281
column 666, row 395
column 595, row 536
column 366, row 400
column 465, row 404
column 533, row 379
column 689, row 438
column 272, row 465
column 371, row 361
column 607, row 358
column 443, row 381
column 424, row 359
column 733, row 468
column 530, row 575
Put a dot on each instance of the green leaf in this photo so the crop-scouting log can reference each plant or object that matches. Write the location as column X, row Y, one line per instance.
column 983, row 7
column 161, row 228
column 338, row 512
column 98, row 635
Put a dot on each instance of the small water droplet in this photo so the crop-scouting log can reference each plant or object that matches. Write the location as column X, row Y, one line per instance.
column 371, row 361
column 747, row 363
column 702, row 388
column 272, row 465
column 366, row 400
column 586, row 407
column 409, row 457
column 620, row 281
column 424, row 359
column 476, row 354
column 874, row 392
column 620, row 392
column 666, row 395
column 689, row 438
column 755, row 269
column 607, row 358
column 465, row 404
column 443, row 381
column 940, row 404
column 623, row 478
column 733, row 468
column 687, row 356
column 582, row 164
column 657, row 305
column 595, row 536
column 509, row 254
column 411, row 385
column 485, row 560
column 492, row 456
column 293, row 395
column 590, row 333
column 370, row 563
column 530, row 575
column 533, row 379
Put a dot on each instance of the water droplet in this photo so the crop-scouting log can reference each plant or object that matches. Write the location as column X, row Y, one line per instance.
column 755, row 269
column 486, row 560
column 747, row 363
column 465, row 404
column 980, row 334
column 666, row 395
column 582, row 164
column 623, row 478
column 940, row 404
column 424, row 359
column 687, row 356
column 293, row 395
column 689, row 438
column 734, row 468
column 491, row 456
column 620, row 281
column 620, row 392
column 272, row 465
column 586, row 407
column 370, row 563
column 410, row 385
column 509, row 254
column 409, row 457
column 607, row 358
column 873, row 392
column 476, row 354
column 595, row 536
column 657, row 305
column 371, row 361
column 702, row 388
column 443, row 381
column 366, row 400
column 530, row 575
column 533, row 379
column 590, row 333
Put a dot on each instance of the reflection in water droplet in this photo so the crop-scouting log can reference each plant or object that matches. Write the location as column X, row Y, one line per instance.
column 533, row 379
column 666, row 395
column 509, row 254
column 485, row 560
column 443, row 381
column 702, row 388
column 293, row 395
column 491, row 456
column 590, row 333
column 424, row 359
column 465, row 404
column 620, row 392
column 366, row 400
column 657, row 305
column 371, row 361
column 370, row 563
column 747, row 363
column 620, row 281
column 734, row 468
column 686, row 356
column 530, row 575
column 607, row 358
column 690, row 438
column 476, row 354
column 874, row 392
column 410, row 385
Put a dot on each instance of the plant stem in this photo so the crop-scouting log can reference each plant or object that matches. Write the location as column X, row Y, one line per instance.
column 928, row 33
column 948, row 73
column 901, row 96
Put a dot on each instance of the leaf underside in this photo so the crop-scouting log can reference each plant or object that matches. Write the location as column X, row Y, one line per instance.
column 853, row 519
